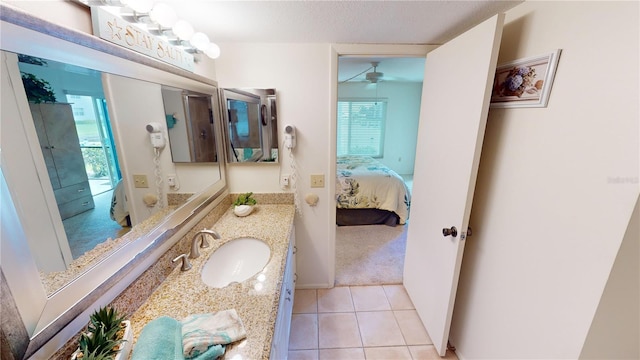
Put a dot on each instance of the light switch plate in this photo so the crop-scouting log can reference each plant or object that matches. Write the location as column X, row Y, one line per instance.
column 140, row 181
column 317, row 180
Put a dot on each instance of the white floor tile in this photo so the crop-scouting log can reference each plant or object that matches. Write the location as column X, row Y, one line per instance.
column 303, row 355
column 337, row 299
column 398, row 297
column 338, row 330
column 387, row 353
column 429, row 352
column 411, row 326
column 329, row 324
column 342, row 354
column 304, row 332
column 379, row 328
column 305, row 301
column 369, row 298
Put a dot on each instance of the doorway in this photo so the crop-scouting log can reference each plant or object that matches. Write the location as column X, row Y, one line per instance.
column 378, row 108
column 103, row 172
column 96, row 141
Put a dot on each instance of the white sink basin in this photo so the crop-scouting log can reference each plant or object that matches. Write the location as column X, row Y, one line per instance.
column 235, row 261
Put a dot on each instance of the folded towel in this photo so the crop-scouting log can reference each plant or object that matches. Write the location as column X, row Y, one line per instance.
column 212, row 353
column 160, row 339
column 202, row 331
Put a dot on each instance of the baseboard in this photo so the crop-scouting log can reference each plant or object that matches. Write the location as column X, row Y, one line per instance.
column 313, row 286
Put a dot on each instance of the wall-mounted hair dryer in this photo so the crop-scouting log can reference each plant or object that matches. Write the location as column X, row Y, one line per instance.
column 290, row 136
column 155, row 134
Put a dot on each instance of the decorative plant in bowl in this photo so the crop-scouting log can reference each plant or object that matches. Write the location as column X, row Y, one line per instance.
column 243, row 205
column 108, row 336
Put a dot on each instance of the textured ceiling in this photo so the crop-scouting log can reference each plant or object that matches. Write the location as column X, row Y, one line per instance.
column 373, row 22
column 393, row 68
column 355, row 21
column 365, row 22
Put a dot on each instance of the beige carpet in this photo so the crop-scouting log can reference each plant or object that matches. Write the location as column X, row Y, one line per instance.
column 370, row 254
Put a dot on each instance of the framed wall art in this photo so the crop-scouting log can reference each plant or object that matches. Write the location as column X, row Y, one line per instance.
column 525, row 82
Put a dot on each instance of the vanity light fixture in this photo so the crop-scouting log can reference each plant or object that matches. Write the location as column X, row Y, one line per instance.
column 164, row 15
column 160, row 19
column 139, row 6
column 183, row 30
column 200, row 41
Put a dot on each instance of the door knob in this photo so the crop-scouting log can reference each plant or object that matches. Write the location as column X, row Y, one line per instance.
column 453, row 232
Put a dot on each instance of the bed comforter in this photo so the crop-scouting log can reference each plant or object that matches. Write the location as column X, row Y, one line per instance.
column 364, row 183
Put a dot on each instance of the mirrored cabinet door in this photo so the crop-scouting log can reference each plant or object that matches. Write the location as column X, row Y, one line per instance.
column 251, row 125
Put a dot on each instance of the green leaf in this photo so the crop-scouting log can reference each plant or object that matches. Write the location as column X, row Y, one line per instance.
column 104, row 335
column 245, row 199
column 37, row 90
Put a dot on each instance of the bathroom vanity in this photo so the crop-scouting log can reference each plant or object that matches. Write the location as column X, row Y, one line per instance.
column 137, row 275
column 264, row 301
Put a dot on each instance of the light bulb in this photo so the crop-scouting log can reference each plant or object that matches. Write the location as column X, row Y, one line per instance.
column 212, row 51
column 118, row 3
column 140, row 6
column 183, row 30
column 164, row 15
column 199, row 40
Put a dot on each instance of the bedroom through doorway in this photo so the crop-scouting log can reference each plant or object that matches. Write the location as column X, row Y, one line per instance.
column 377, row 121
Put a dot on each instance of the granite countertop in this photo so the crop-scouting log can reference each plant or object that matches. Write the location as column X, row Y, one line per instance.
column 183, row 293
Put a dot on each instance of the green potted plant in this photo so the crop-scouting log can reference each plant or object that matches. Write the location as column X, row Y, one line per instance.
column 108, row 336
column 38, row 90
column 243, row 205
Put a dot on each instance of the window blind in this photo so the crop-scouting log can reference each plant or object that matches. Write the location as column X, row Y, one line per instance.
column 360, row 127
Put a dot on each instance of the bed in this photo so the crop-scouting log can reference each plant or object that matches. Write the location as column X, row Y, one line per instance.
column 368, row 192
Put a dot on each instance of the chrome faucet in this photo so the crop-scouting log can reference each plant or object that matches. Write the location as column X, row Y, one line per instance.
column 195, row 252
column 186, row 265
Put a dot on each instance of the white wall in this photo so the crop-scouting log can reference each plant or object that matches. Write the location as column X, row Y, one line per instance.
column 556, row 187
column 135, row 153
column 615, row 330
column 300, row 73
column 403, row 114
column 61, row 12
column 178, row 134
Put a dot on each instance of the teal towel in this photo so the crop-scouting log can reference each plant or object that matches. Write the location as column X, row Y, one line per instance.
column 212, row 353
column 202, row 332
column 248, row 153
column 160, row 339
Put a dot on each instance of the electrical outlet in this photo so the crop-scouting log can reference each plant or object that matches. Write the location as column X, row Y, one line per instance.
column 140, row 181
column 317, row 180
column 284, row 181
column 172, row 181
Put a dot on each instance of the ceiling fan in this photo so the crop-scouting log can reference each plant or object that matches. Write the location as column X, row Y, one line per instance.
column 373, row 77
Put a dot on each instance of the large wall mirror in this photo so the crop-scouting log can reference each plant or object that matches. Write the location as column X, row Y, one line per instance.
column 251, row 125
column 74, row 142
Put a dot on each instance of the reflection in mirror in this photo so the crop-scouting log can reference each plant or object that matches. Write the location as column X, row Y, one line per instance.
column 251, row 119
column 73, row 128
column 90, row 212
column 190, row 123
column 49, row 317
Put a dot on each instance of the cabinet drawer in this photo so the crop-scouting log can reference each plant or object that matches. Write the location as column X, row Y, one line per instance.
column 73, row 192
column 76, row 206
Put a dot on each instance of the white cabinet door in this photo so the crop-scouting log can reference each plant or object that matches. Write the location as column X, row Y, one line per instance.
column 455, row 102
column 280, row 343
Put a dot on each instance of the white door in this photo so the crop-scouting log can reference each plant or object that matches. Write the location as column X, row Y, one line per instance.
column 455, row 101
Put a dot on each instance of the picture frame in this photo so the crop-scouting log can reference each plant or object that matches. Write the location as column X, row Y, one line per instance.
column 525, row 82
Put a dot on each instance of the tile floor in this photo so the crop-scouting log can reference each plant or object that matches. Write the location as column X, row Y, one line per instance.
column 358, row 322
